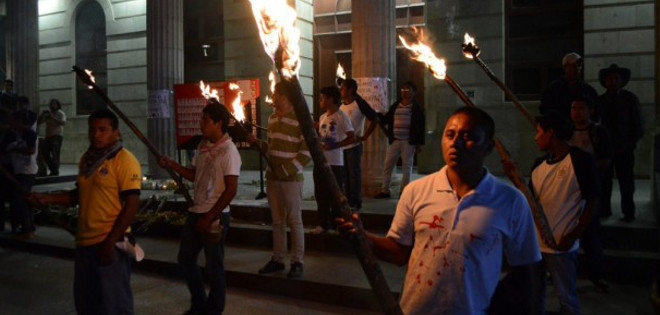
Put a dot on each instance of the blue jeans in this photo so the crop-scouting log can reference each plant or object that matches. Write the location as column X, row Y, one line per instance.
column 563, row 269
column 191, row 245
column 353, row 176
column 102, row 289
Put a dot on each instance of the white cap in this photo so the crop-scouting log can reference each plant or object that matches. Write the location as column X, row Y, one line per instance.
column 570, row 58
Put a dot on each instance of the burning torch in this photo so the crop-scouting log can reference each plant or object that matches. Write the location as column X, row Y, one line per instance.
column 87, row 78
column 276, row 23
column 472, row 51
column 423, row 53
column 238, row 114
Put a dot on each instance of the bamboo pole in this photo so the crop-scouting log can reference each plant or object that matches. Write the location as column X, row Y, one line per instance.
column 472, row 51
column 362, row 249
column 82, row 75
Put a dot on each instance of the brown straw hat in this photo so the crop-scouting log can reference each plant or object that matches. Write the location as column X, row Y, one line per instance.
column 614, row 68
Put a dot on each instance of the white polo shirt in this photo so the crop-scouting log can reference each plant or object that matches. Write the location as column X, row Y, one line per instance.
column 212, row 163
column 458, row 244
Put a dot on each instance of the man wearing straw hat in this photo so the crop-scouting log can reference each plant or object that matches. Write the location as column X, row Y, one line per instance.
column 108, row 193
column 621, row 117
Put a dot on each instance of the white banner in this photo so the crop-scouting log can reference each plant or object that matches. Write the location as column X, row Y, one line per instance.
column 159, row 104
column 374, row 91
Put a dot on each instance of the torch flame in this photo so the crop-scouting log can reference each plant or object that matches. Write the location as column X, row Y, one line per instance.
column 207, row 93
column 340, row 71
column 469, row 47
column 276, row 23
column 91, row 77
column 237, row 106
column 425, row 55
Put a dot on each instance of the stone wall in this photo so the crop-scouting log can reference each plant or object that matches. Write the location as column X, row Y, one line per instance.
column 127, row 78
column 446, row 22
column 623, row 32
column 619, row 32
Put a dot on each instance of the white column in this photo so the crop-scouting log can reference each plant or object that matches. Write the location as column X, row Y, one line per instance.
column 164, row 69
column 374, row 56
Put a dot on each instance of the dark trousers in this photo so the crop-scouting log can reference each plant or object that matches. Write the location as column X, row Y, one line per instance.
column 102, row 290
column 353, row 176
column 593, row 250
column 52, row 147
column 5, row 192
column 21, row 212
column 623, row 163
column 191, row 246
column 323, row 197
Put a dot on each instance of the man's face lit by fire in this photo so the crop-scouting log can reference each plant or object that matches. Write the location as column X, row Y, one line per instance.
column 464, row 143
column 101, row 134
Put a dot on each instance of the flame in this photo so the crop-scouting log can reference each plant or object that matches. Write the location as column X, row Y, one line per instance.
column 207, row 93
column 340, row 71
column 468, row 42
column 271, row 79
column 424, row 54
column 276, row 23
column 91, row 77
column 237, row 106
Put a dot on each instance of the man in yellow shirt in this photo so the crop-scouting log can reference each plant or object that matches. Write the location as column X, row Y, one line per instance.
column 108, row 193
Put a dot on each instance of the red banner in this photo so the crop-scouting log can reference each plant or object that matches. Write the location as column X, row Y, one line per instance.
column 188, row 105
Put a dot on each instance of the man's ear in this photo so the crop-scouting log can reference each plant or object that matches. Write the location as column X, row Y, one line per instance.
column 489, row 146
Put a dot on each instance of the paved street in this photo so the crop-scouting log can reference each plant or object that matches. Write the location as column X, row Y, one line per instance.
column 35, row 284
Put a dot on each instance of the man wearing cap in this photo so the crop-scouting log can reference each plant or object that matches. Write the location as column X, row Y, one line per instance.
column 621, row 117
column 559, row 95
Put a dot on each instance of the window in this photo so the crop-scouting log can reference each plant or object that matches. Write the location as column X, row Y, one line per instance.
column 538, row 34
column 91, row 53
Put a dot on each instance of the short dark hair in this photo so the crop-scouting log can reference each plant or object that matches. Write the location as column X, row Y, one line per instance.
column 332, row 92
column 411, row 85
column 105, row 114
column 218, row 112
column 57, row 102
column 559, row 123
column 481, row 119
column 586, row 101
column 286, row 88
column 351, row 85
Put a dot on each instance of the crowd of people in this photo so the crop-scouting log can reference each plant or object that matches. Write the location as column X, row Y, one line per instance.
column 456, row 229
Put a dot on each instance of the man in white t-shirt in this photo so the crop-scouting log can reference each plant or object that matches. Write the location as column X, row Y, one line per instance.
column 215, row 172
column 566, row 185
column 358, row 110
column 453, row 227
column 335, row 132
column 55, row 119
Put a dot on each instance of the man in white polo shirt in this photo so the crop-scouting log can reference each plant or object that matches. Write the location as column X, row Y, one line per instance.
column 453, row 227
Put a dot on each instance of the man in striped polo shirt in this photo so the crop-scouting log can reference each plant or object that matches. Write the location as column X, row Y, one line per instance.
column 288, row 154
column 405, row 124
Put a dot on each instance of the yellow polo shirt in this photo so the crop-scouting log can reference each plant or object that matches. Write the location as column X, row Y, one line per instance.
column 99, row 196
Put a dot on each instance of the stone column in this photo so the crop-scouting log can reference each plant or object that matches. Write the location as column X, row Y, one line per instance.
column 23, row 49
column 164, row 69
column 374, row 58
